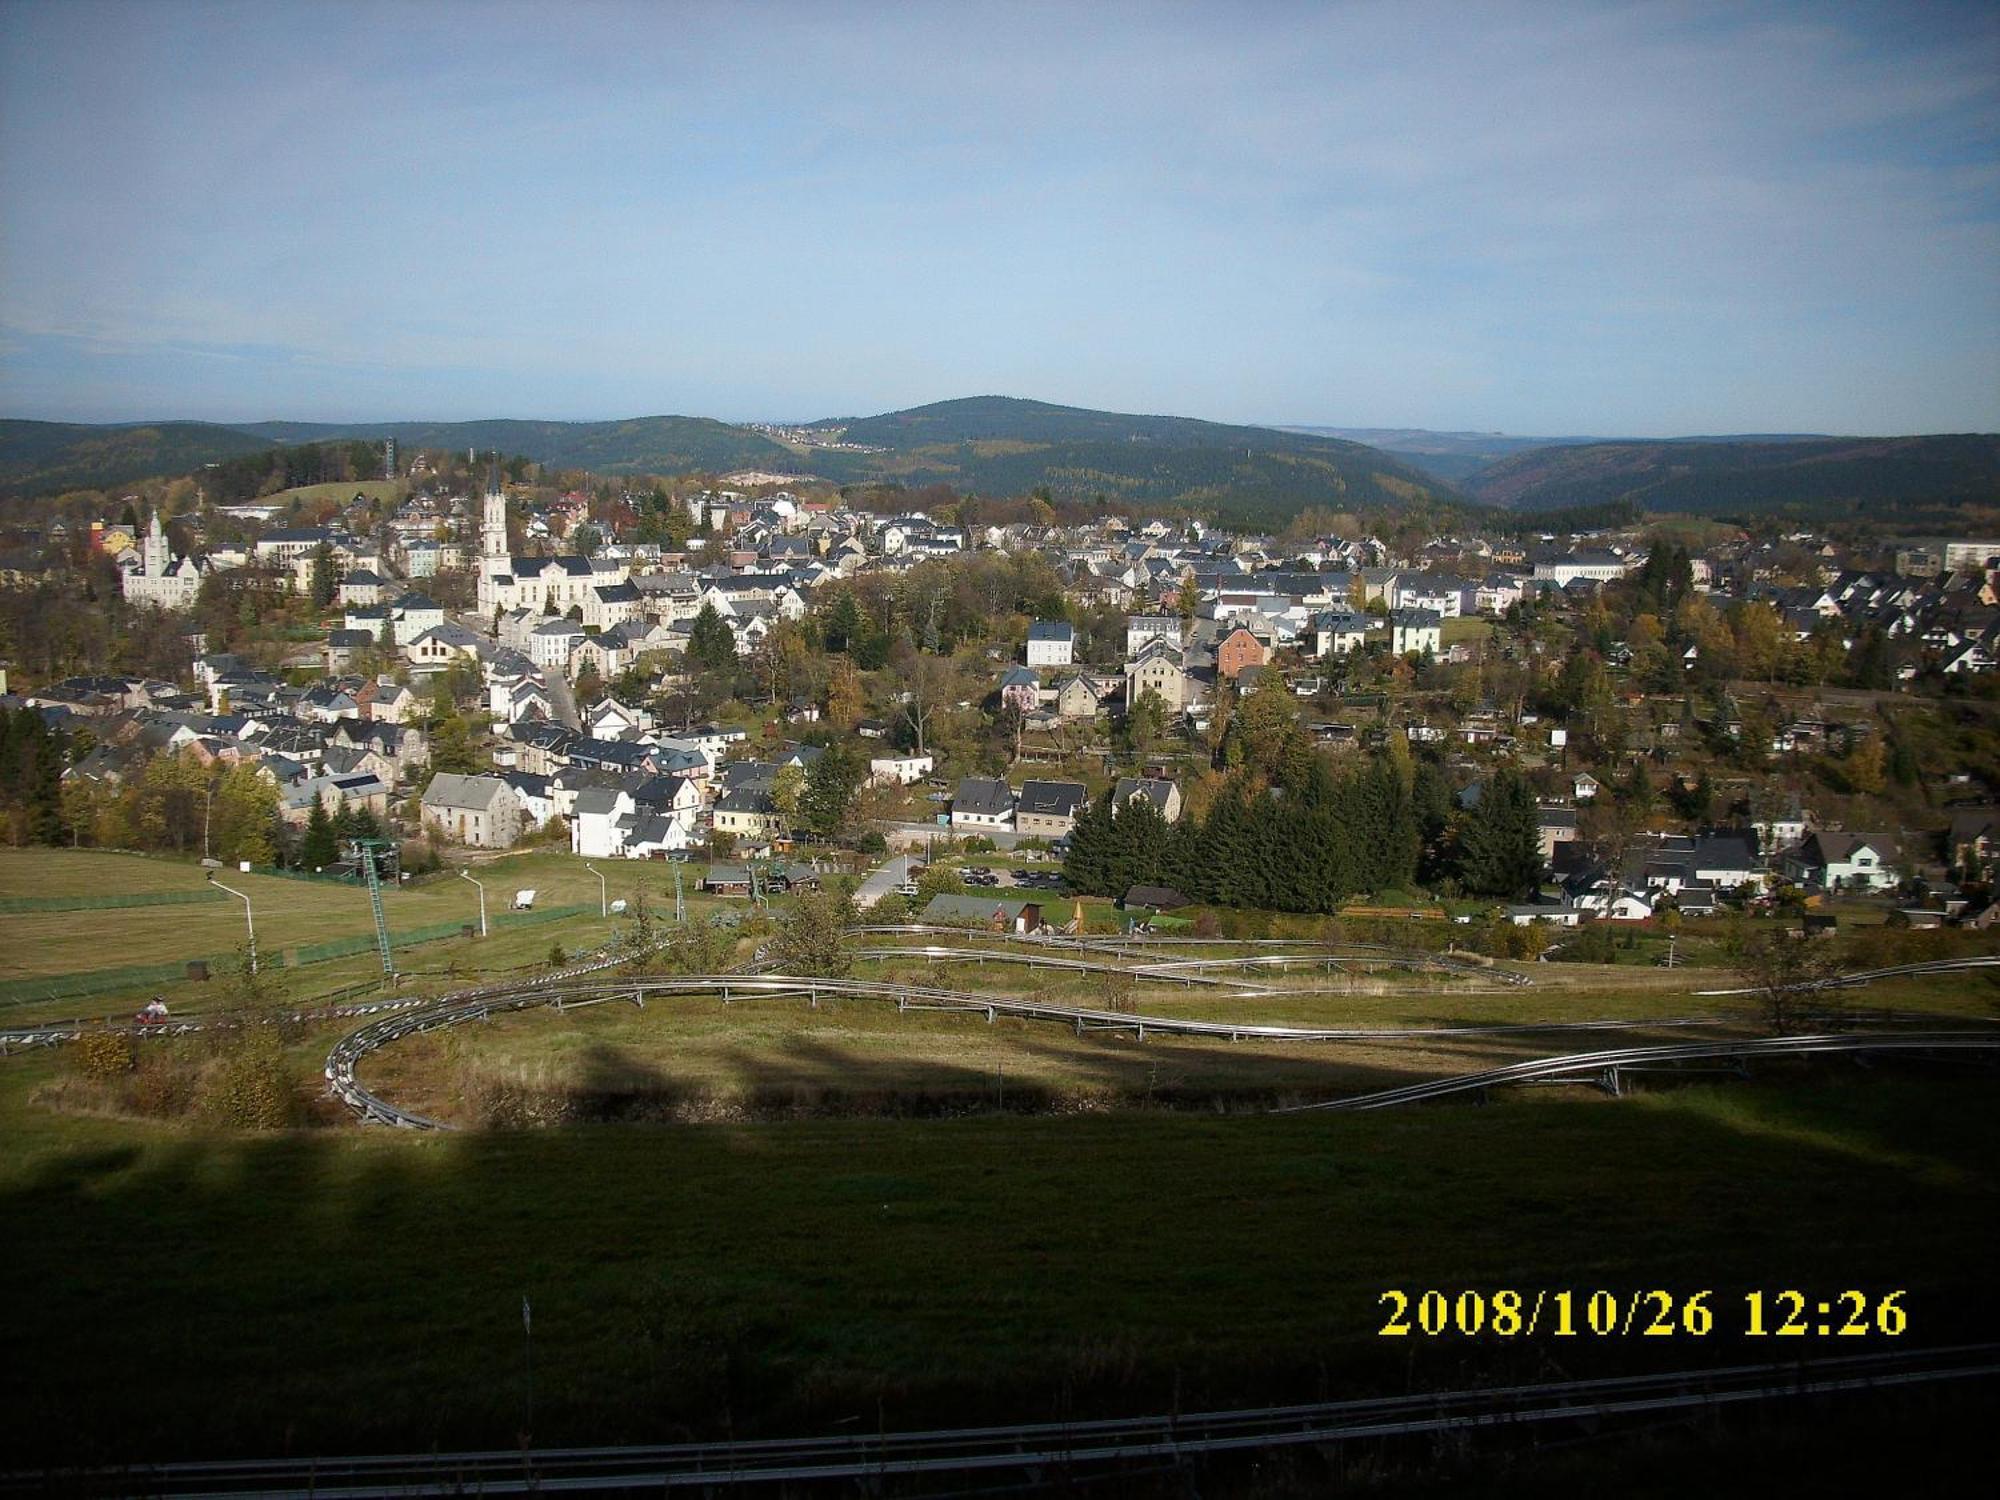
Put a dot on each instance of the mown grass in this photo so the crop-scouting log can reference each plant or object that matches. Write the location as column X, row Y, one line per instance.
column 288, row 913
column 183, row 1291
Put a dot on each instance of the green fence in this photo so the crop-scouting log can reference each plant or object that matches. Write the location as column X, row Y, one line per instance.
column 105, row 903
column 105, row 981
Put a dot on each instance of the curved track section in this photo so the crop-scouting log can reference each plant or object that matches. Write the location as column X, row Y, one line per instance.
column 1869, row 976
column 1301, row 952
column 348, row 1052
column 1606, row 1068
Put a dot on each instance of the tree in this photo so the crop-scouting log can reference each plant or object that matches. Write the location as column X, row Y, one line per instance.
column 844, row 623
column 843, row 693
column 325, row 576
column 320, row 846
column 453, row 747
column 832, row 782
column 711, row 643
column 788, row 789
column 926, row 689
column 585, row 539
column 811, row 940
column 1787, row 968
column 1500, row 845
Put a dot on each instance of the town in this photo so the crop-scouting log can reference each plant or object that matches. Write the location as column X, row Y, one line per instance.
column 1677, row 722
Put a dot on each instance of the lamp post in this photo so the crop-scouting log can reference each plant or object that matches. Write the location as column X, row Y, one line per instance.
column 249, row 921
column 462, row 875
column 603, row 892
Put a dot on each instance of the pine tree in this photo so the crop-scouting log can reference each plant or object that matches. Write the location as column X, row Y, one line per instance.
column 1500, row 850
column 319, row 847
column 1086, row 866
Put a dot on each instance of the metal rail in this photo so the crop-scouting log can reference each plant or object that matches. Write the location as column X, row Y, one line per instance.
column 1605, row 1069
column 1037, row 1449
column 349, row 1050
column 1869, row 976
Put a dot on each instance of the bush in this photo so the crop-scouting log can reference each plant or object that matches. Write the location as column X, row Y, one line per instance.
column 251, row 1087
column 102, row 1056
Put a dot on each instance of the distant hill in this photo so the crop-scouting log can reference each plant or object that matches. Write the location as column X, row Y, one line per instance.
column 1003, row 445
column 637, row 445
column 1450, row 456
column 1812, row 478
column 44, row 457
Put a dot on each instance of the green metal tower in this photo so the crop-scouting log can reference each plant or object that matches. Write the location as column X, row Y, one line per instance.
column 367, row 858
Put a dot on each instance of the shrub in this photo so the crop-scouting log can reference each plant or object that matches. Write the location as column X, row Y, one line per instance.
column 103, row 1055
column 251, row 1087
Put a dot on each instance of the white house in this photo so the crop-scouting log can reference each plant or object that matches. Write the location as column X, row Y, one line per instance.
column 594, row 825
column 982, row 806
column 899, row 770
column 1418, row 630
column 1339, row 633
column 1139, row 629
column 1051, row 643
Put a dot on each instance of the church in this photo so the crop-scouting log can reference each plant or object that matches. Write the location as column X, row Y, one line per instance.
column 547, row 585
column 157, row 579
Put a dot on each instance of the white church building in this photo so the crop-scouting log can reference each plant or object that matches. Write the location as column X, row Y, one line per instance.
column 158, row 580
column 546, row 585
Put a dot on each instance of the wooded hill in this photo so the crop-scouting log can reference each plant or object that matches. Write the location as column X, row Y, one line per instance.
column 1811, row 478
column 999, row 445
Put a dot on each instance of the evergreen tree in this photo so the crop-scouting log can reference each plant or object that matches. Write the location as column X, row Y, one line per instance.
column 325, row 577
column 320, row 847
column 1500, row 846
column 1086, row 867
column 711, row 644
column 844, row 623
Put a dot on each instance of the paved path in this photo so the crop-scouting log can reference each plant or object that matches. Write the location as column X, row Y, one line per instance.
column 881, row 880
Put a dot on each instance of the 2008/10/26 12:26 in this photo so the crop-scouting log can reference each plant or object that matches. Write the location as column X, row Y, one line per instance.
column 1570, row 1313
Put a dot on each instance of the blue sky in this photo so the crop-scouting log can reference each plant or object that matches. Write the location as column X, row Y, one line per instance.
column 1552, row 219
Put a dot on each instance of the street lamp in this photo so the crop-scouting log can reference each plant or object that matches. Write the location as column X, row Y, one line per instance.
column 462, row 875
column 603, row 892
column 248, row 920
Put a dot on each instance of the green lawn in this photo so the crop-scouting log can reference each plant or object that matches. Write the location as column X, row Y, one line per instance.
column 288, row 913
column 180, row 1291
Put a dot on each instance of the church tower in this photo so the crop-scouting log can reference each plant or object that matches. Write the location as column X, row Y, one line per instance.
column 154, row 556
column 494, row 563
column 493, row 527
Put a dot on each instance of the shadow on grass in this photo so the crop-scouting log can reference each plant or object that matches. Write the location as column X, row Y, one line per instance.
column 193, row 1295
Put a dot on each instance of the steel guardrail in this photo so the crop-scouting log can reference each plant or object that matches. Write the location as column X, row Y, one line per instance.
column 1033, row 1448
column 1610, row 1062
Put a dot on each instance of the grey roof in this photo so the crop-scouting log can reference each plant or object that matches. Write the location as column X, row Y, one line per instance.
column 1153, row 790
column 475, row 793
column 974, row 908
column 1051, row 630
column 597, row 800
column 1051, row 799
column 983, row 797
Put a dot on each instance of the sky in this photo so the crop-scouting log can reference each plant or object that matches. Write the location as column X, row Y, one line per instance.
column 1622, row 219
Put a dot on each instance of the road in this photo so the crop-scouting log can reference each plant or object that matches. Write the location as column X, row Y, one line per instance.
column 561, row 699
column 881, row 880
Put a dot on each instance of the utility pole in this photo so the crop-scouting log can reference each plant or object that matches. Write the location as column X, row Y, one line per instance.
column 603, row 892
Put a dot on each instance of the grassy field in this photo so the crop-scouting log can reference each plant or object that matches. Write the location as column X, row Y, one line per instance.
column 697, row 1059
column 288, row 913
column 385, row 490
column 183, row 1291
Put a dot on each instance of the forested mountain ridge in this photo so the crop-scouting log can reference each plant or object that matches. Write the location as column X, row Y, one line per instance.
column 43, row 457
column 1812, row 478
column 1004, row 445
